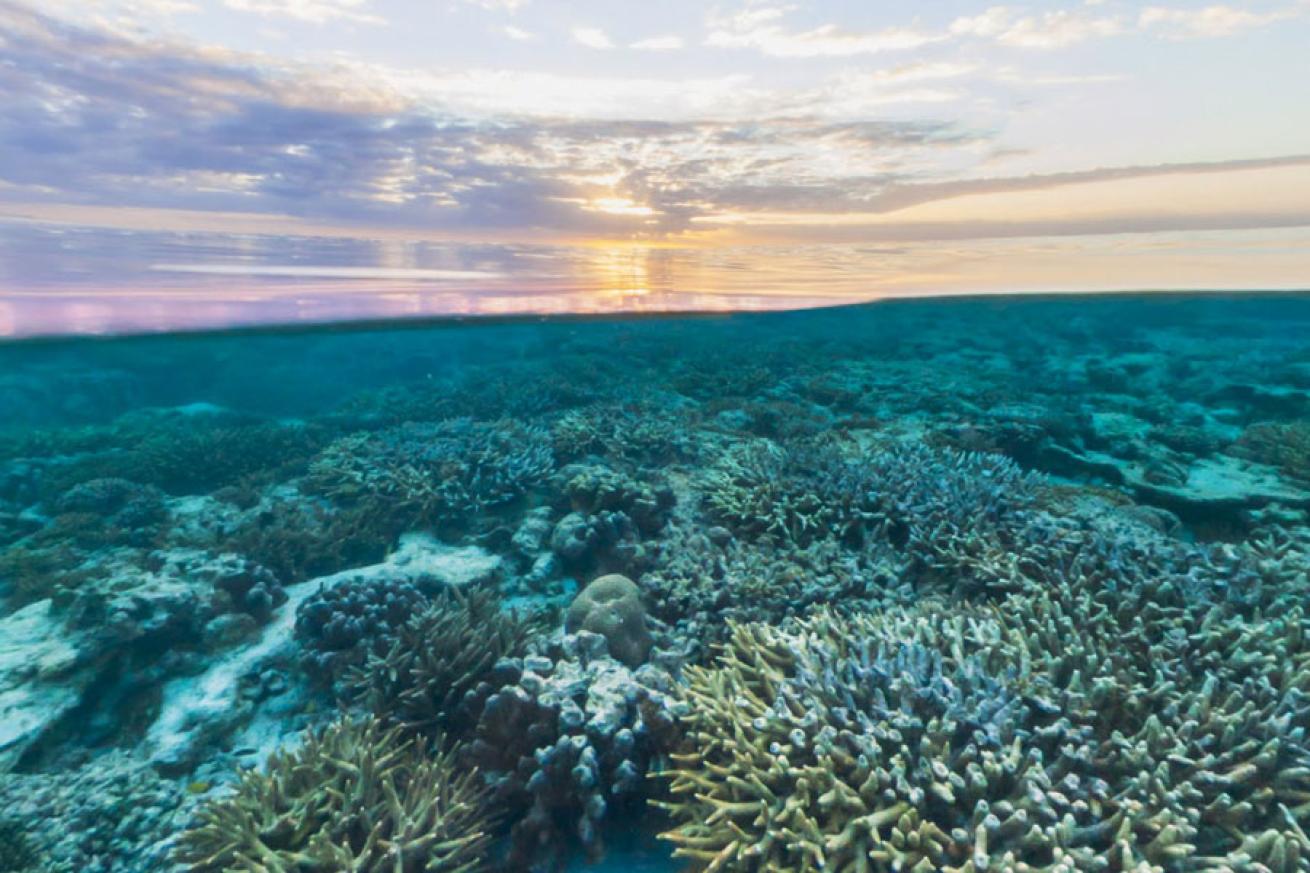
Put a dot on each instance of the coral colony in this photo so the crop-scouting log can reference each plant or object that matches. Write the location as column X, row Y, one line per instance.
column 952, row 586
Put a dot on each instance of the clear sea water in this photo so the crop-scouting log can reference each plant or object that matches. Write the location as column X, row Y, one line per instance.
column 729, row 466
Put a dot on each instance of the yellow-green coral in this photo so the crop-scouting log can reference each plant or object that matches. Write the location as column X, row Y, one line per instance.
column 356, row 797
column 1069, row 728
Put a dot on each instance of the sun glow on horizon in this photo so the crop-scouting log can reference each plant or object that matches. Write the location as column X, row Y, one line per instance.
column 495, row 157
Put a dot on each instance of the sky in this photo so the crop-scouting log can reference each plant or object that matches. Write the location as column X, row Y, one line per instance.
column 510, row 155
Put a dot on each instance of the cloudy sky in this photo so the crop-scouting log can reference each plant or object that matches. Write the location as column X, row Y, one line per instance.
column 843, row 149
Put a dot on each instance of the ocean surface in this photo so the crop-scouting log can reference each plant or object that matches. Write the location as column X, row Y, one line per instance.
column 959, row 585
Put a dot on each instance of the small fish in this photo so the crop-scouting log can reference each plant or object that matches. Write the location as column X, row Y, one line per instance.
column 199, row 787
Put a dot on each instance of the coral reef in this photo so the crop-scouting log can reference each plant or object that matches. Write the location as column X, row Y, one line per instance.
column 355, row 796
column 611, row 606
column 440, row 664
column 433, row 474
column 941, row 586
column 340, row 625
column 567, row 740
column 962, row 738
column 103, row 817
column 592, row 489
column 1285, row 445
column 16, row 852
column 298, row 539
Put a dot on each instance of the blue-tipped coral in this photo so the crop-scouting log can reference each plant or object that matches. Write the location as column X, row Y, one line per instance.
column 431, row 475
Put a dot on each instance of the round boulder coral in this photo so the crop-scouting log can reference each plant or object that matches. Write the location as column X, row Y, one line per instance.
column 611, row 606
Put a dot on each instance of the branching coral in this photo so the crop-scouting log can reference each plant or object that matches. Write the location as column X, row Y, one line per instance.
column 907, row 494
column 300, row 539
column 436, row 671
column 341, row 624
column 16, row 852
column 1119, row 715
column 647, row 433
column 433, row 473
column 568, row 740
column 355, row 797
column 844, row 747
column 182, row 455
column 1285, row 445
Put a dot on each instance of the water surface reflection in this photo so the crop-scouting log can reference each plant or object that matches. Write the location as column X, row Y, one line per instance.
column 76, row 280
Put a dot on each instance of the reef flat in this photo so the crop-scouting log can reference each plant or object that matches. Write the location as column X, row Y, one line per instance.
column 957, row 585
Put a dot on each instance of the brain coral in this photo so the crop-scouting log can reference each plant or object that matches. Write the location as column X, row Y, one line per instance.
column 354, row 797
column 611, row 606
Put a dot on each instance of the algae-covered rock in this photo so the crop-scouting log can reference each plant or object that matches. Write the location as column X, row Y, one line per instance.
column 611, row 606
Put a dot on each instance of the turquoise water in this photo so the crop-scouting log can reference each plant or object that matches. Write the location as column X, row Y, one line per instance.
column 957, row 585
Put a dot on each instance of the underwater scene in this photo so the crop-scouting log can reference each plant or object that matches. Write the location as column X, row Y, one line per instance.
column 959, row 585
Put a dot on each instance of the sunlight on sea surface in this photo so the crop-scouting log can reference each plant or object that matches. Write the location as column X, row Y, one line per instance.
column 61, row 279
column 71, row 280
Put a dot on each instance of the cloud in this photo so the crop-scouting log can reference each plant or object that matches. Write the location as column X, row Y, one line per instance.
column 109, row 120
column 658, row 44
column 592, row 37
column 101, row 120
column 310, row 11
column 760, row 28
column 498, row 5
column 1049, row 30
column 518, row 33
column 1211, row 21
column 1059, row 28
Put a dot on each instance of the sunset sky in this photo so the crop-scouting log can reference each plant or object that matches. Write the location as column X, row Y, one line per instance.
column 733, row 151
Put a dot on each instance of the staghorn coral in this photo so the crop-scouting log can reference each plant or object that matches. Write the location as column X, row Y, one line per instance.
column 1129, row 711
column 827, row 522
column 437, row 670
column 842, row 746
column 16, row 852
column 640, row 432
column 906, row 494
column 432, row 474
column 355, row 797
column 758, row 488
column 1285, row 445
column 701, row 579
